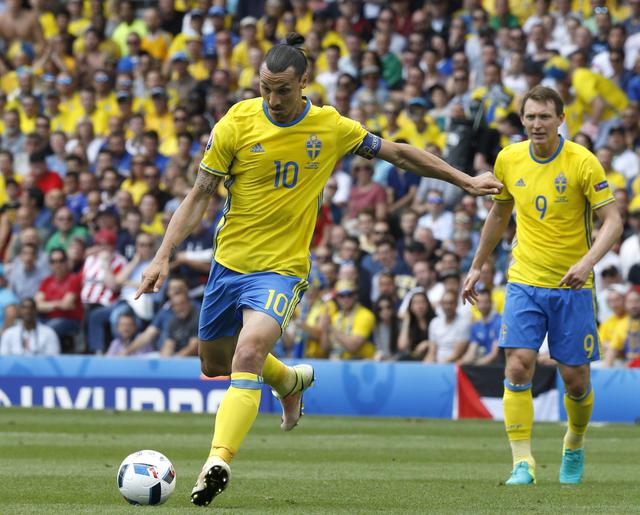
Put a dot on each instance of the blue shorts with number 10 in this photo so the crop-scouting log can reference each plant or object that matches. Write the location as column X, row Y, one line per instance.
column 566, row 315
column 228, row 292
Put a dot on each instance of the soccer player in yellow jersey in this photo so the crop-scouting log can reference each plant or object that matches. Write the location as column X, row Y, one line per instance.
column 555, row 185
column 275, row 154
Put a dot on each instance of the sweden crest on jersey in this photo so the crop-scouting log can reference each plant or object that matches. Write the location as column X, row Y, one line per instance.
column 314, row 145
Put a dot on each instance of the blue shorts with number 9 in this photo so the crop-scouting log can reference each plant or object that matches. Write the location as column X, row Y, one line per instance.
column 568, row 316
column 227, row 293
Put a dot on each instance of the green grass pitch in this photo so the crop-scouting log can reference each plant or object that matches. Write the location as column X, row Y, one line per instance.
column 65, row 462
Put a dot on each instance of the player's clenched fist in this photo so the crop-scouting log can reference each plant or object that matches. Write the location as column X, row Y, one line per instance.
column 153, row 277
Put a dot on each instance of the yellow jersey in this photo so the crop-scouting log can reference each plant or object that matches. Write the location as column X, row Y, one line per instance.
column 626, row 338
column 588, row 85
column 359, row 322
column 609, row 330
column 554, row 201
column 275, row 174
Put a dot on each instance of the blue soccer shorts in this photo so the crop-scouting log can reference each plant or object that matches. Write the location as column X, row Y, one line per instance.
column 228, row 292
column 566, row 315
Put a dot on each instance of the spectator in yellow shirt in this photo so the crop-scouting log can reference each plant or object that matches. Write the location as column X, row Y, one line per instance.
column 625, row 342
column 128, row 23
column 135, row 184
column 248, row 74
column 618, row 321
column 89, row 110
column 28, row 113
column 156, row 41
column 348, row 332
column 105, row 96
column 197, row 68
column 181, row 80
column 240, row 53
column 151, row 217
column 160, row 119
column 78, row 22
column 616, row 180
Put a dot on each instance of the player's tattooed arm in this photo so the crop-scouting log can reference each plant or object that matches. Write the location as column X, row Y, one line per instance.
column 207, row 183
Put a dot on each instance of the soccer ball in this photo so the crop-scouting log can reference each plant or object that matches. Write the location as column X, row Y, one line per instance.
column 146, row 477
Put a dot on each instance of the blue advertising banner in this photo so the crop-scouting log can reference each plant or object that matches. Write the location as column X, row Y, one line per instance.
column 342, row 388
column 381, row 389
column 121, row 394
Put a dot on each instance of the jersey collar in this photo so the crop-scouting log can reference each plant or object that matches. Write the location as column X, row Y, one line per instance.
column 297, row 120
column 549, row 159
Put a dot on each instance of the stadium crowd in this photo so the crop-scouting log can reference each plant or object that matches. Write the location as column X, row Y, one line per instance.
column 106, row 109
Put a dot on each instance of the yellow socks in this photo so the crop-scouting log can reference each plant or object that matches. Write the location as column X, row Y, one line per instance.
column 578, row 415
column 236, row 414
column 279, row 376
column 518, row 420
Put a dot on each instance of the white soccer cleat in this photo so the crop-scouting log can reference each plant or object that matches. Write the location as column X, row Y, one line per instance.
column 213, row 479
column 292, row 404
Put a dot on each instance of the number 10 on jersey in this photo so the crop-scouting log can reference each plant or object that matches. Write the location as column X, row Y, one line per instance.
column 286, row 174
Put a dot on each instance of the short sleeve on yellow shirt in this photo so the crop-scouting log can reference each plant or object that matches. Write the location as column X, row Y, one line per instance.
column 595, row 185
column 350, row 135
column 220, row 149
column 498, row 170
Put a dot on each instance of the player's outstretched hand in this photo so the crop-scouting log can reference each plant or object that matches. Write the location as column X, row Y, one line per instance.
column 153, row 277
column 576, row 276
column 484, row 184
column 469, row 293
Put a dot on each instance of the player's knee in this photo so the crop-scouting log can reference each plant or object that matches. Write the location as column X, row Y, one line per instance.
column 576, row 387
column 248, row 358
column 519, row 371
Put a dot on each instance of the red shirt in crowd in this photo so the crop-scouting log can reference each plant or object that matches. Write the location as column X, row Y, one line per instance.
column 54, row 289
column 365, row 198
column 49, row 181
column 94, row 290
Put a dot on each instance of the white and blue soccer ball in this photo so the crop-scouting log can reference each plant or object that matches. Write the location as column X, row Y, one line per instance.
column 146, row 477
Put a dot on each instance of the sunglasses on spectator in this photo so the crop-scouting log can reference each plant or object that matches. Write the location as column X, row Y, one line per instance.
column 57, row 261
column 343, row 295
column 601, row 10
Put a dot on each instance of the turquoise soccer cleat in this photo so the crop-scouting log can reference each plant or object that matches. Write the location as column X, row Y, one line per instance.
column 522, row 474
column 572, row 466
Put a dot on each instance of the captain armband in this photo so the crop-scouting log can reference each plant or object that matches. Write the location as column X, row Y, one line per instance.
column 370, row 146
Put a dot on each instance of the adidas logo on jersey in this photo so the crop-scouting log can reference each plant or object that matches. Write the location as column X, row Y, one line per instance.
column 520, row 183
column 257, row 148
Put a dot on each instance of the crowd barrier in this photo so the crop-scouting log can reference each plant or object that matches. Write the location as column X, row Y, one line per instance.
column 355, row 388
